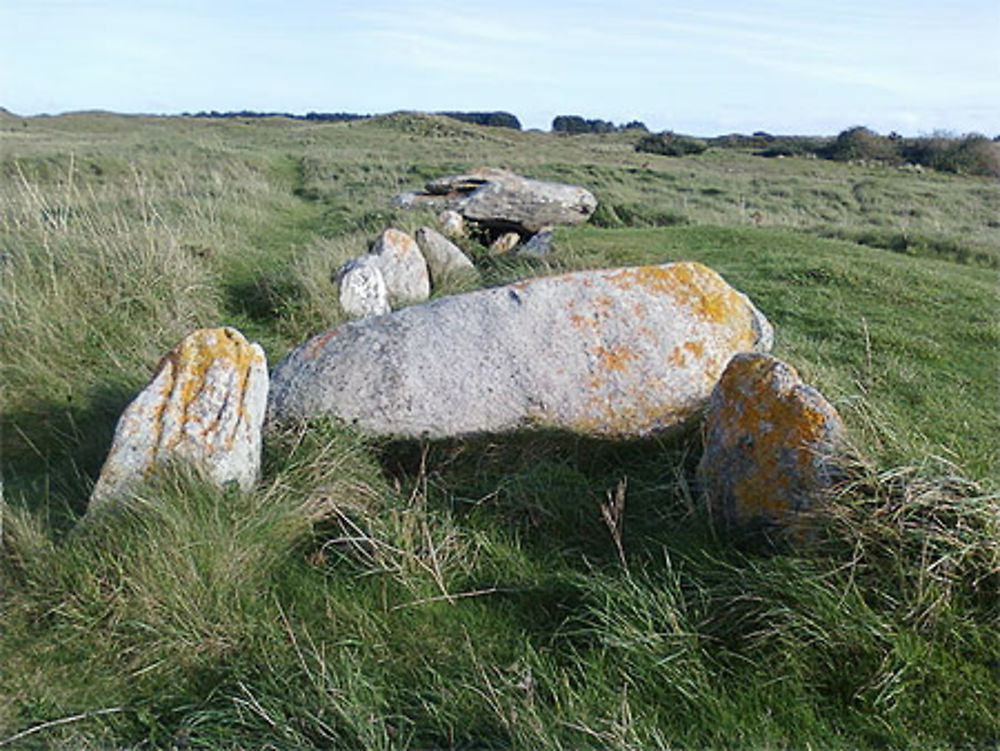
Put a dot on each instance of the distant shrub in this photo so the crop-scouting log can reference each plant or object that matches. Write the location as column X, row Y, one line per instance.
column 861, row 143
column 670, row 144
column 574, row 125
column 489, row 119
column 636, row 125
column 973, row 154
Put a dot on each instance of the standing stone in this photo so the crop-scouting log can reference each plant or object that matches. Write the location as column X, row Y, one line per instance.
column 505, row 243
column 770, row 443
column 618, row 353
column 204, row 405
column 403, row 267
column 501, row 200
column 539, row 245
column 362, row 289
column 452, row 223
column 443, row 256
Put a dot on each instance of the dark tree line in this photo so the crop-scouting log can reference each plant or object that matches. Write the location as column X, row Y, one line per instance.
column 574, row 125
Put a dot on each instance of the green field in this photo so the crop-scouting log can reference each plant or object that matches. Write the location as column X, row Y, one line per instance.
column 469, row 594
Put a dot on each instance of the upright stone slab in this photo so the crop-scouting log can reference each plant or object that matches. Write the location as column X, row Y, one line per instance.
column 442, row 255
column 403, row 267
column 205, row 404
column 362, row 288
column 621, row 353
column 770, row 443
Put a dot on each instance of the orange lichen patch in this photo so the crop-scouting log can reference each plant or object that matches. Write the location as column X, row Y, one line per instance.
column 679, row 355
column 191, row 362
column 615, row 358
column 691, row 284
column 315, row 345
column 784, row 427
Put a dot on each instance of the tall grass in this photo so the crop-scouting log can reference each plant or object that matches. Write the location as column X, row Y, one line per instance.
column 527, row 591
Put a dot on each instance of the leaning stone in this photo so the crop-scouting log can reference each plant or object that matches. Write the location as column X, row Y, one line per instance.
column 362, row 288
column 442, row 255
column 452, row 223
column 539, row 245
column 204, row 405
column 502, row 200
column 505, row 243
column 770, row 443
column 402, row 266
column 619, row 353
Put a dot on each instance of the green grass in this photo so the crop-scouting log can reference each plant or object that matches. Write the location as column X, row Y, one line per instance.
column 374, row 594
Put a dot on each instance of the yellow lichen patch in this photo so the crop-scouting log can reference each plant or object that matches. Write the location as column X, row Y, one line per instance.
column 679, row 355
column 691, row 284
column 783, row 426
column 615, row 358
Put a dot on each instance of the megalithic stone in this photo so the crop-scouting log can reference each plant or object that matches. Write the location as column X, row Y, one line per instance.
column 205, row 404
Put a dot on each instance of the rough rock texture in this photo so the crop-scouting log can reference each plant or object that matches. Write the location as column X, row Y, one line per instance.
column 539, row 245
column 770, row 443
column 503, row 200
column 442, row 255
column 505, row 243
column 620, row 352
column 362, row 288
column 205, row 404
column 452, row 223
column 403, row 267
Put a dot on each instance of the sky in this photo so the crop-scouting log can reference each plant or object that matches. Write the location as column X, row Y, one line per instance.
column 704, row 68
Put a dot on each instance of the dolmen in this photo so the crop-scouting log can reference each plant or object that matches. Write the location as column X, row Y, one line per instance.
column 503, row 201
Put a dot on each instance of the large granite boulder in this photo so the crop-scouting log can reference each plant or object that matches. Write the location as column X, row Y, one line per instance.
column 501, row 200
column 771, row 443
column 205, row 405
column 620, row 353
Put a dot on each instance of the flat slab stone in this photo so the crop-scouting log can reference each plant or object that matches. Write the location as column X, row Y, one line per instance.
column 770, row 443
column 621, row 353
column 504, row 200
column 205, row 404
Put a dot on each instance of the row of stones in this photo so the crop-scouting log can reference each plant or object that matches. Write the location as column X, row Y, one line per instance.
column 399, row 270
column 618, row 353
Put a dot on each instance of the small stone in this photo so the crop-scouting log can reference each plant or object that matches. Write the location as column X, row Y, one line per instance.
column 443, row 256
column 770, row 443
column 403, row 267
column 452, row 223
column 539, row 245
column 362, row 288
column 205, row 405
column 505, row 243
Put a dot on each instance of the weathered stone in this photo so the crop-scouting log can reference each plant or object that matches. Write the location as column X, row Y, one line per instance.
column 452, row 223
column 770, row 443
column 539, row 245
column 505, row 243
column 621, row 352
column 442, row 255
column 362, row 288
column 503, row 200
column 204, row 405
column 403, row 267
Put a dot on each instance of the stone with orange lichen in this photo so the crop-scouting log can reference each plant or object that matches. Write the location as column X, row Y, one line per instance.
column 403, row 267
column 771, row 444
column 205, row 405
column 616, row 353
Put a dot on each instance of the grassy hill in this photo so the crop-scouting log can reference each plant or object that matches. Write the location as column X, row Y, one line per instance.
column 469, row 593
